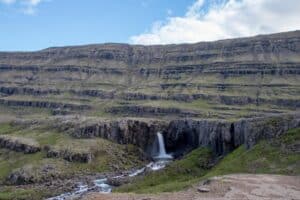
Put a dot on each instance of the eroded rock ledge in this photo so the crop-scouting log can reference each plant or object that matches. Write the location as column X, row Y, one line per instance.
column 44, row 104
column 184, row 135
column 149, row 110
column 83, row 157
column 131, row 96
column 19, row 144
column 124, row 131
column 223, row 136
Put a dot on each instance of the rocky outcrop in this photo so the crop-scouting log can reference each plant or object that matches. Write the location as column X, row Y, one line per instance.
column 126, row 131
column 62, row 68
column 223, row 99
column 117, row 182
column 152, row 111
column 226, row 69
column 182, row 136
column 44, row 104
column 83, row 157
column 223, row 136
column 27, row 91
column 263, row 48
column 29, row 174
column 245, row 100
column 24, row 145
column 142, row 96
column 94, row 93
column 221, row 86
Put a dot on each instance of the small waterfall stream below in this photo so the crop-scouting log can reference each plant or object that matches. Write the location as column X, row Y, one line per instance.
column 101, row 186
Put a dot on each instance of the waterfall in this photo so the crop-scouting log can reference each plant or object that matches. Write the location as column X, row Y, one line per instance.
column 101, row 185
column 162, row 155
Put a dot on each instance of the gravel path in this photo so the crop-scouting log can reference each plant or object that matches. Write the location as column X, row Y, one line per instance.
column 229, row 187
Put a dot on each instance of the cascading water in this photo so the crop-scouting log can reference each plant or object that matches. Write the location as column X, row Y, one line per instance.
column 162, row 155
column 162, row 158
column 101, row 185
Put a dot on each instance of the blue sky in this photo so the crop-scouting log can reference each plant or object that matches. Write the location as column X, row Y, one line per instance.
column 72, row 22
column 37, row 24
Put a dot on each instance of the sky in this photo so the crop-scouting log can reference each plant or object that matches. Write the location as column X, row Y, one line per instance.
column 28, row 25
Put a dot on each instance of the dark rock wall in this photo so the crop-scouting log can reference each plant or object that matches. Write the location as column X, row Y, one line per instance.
column 223, row 137
column 148, row 110
column 43, row 104
column 139, row 133
column 181, row 136
column 18, row 146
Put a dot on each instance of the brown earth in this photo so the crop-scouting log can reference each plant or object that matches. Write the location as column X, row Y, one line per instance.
column 229, row 187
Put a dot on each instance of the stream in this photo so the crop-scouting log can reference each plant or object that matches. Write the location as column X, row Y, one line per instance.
column 101, row 185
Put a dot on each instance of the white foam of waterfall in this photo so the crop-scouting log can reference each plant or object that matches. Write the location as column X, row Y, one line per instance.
column 162, row 155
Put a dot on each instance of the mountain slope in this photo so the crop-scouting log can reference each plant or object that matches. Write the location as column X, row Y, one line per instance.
column 226, row 79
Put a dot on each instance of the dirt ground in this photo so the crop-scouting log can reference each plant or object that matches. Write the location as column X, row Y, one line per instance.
column 229, row 187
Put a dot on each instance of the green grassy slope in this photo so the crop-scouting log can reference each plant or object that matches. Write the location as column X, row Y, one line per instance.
column 277, row 156
column 107, row 155
column 176, row 176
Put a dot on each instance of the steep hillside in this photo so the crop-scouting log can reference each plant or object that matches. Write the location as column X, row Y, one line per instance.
column 226, row 79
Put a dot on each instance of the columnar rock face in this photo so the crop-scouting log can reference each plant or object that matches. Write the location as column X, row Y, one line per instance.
column 136, row 132
column 224, row 136
column 182, row 136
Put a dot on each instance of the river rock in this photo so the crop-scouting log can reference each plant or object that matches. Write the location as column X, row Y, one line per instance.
column 118, row 181
column 203, row 189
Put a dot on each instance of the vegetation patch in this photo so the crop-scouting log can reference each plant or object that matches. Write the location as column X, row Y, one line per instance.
column 277, row 156
column 6, row 128
column 179, row 174
column 8, row 193
column 106, row 155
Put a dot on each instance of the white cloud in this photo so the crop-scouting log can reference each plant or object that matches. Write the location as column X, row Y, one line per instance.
column 27, row 6
column 194, row 9
column 218, row 19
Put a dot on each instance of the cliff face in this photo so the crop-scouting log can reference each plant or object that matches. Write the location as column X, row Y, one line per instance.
column 269, row 48
column 228, row 79
column 19, row 144
column 224, row 136
column 182, row 136
column 127, row 131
